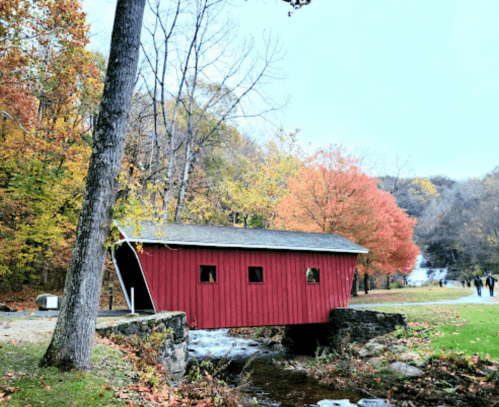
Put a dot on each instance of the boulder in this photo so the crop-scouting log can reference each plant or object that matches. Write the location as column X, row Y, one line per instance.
column 377, row 362
column 404, row 369
column 48, row 302
column 409, row 356
column 371, row 349
column 397, row 348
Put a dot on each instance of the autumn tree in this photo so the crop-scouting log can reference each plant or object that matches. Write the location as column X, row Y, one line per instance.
column 331, row 194
column 244, row 183
column 49, row 87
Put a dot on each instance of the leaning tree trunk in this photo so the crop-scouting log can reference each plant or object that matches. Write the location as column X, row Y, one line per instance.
column 74, row 333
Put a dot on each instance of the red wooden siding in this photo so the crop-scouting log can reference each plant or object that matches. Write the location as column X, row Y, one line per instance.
column 284, row 297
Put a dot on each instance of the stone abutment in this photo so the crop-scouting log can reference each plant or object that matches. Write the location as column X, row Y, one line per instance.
column 173, row 352
column 345, row 325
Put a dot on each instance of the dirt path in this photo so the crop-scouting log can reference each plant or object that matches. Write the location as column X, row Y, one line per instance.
column 37, row 326
column 27, row 330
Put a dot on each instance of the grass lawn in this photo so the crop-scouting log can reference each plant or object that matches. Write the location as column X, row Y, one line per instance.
column 27, row 384
column 411, row 294
column 466, row 328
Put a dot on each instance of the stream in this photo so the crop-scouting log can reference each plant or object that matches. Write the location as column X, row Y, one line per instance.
column 271, row 384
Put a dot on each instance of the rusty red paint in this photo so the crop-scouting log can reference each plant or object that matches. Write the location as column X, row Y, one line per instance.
column 284, row 297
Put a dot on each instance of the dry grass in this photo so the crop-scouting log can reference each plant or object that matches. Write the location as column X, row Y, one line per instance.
column 410, row 294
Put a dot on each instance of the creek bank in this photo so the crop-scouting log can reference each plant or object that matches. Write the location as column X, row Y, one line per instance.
column 363, row 370
column 173, row 350
column 278, row 378
column 401, row 368
column 377, row 369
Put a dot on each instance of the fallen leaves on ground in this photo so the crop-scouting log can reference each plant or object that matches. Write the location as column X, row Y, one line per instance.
column 5, row 391
column 149, row 386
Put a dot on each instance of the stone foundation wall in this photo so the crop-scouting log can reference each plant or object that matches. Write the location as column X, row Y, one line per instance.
column 345, row 325
column 354, row 325
column 173, row 353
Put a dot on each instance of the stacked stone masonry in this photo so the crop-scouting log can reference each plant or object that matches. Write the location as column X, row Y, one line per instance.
column 173, row 352
column 346, row 325
column 351, row 325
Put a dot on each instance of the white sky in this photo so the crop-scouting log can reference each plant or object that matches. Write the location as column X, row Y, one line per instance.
column 413, row 80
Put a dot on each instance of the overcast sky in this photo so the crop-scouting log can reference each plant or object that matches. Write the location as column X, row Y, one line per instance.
column 413, row 80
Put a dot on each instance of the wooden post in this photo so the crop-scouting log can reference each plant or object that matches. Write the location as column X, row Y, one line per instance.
column 108, row 291
column 133, row 301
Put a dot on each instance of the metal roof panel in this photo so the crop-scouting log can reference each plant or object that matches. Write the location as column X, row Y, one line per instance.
column 234, row 237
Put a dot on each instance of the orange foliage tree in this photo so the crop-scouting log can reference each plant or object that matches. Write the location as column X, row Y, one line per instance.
column 333, row 195
column 49, row 88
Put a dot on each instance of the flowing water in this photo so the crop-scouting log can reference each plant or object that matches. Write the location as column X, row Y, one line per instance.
column 421, row 275
column 271, row 384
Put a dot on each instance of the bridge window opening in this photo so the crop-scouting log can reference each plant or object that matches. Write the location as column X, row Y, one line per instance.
column 208, row 274
column 255, row 274
column 313, row 275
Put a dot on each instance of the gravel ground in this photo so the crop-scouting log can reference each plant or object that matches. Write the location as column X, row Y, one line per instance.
column 27, row 330
column 36, row 326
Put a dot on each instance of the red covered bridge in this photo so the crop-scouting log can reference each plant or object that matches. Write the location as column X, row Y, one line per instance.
column 234, row 277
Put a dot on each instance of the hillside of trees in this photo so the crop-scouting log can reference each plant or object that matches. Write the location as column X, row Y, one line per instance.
column 457, row 220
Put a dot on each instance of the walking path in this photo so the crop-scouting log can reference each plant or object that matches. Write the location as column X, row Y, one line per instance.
column 470, row 299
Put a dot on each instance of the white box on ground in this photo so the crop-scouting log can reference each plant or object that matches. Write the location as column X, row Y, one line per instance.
column 51, row 303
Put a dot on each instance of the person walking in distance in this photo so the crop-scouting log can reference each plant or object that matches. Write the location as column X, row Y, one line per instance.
column 478, row 284
column 490, row 282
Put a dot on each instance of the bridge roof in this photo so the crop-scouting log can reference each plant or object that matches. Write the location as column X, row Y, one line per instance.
column 234, row 237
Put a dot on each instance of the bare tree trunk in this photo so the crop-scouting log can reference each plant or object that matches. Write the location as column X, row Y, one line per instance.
column 73, row 337
column 366, row 283
column 355, row 286
column 185, row 179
